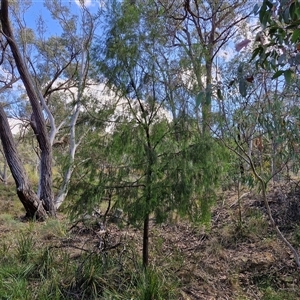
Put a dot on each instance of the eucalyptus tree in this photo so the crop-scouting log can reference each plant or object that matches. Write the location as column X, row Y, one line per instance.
column 263, row 117
column 33, row 204
column 45, row 65
column 151, row 163
column 201, row 29
column 76, row 74
column 261, row 129
column 278, row 52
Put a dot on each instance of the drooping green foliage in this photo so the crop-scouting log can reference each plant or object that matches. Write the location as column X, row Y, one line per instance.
column 150, row 174
column 151, row 164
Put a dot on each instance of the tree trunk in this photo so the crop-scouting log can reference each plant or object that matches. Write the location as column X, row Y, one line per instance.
column 39, row 124
column 146, row 242
column 30, row 201
column 63, row 192
column 206, row 107
column 148, row 197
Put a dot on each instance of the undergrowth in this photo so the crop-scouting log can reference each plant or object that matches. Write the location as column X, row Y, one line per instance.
column 54, row 260
column 31, row 269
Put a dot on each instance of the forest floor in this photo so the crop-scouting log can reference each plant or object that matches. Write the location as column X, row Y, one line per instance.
column 238, row 256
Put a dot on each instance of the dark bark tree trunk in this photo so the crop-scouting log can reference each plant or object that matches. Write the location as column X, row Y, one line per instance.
column 40, row 129
column 148, row 196
column 32, row 204
column 146, row 242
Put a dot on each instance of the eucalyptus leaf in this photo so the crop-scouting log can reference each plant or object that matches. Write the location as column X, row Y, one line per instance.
column 240, row 68
column 200, row 98
column 297, row 59
column 208, row 95
column 256, row 9
column 286, row 15
column 282, row 59
column 219, row 94
column 292, row 11
column 295, row 35
column 263, row 15
column 288, row 75
column 243, row 87
column 278, row 74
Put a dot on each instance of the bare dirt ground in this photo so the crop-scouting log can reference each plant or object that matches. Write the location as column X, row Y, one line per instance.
column 228, row 260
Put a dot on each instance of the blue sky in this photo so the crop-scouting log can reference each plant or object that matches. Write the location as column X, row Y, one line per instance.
column 38, row 9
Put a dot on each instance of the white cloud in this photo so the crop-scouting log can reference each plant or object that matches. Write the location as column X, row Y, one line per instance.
column 15, row 125
column 85, row 2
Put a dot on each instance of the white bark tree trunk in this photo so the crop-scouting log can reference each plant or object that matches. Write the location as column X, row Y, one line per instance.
column 88, row 30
